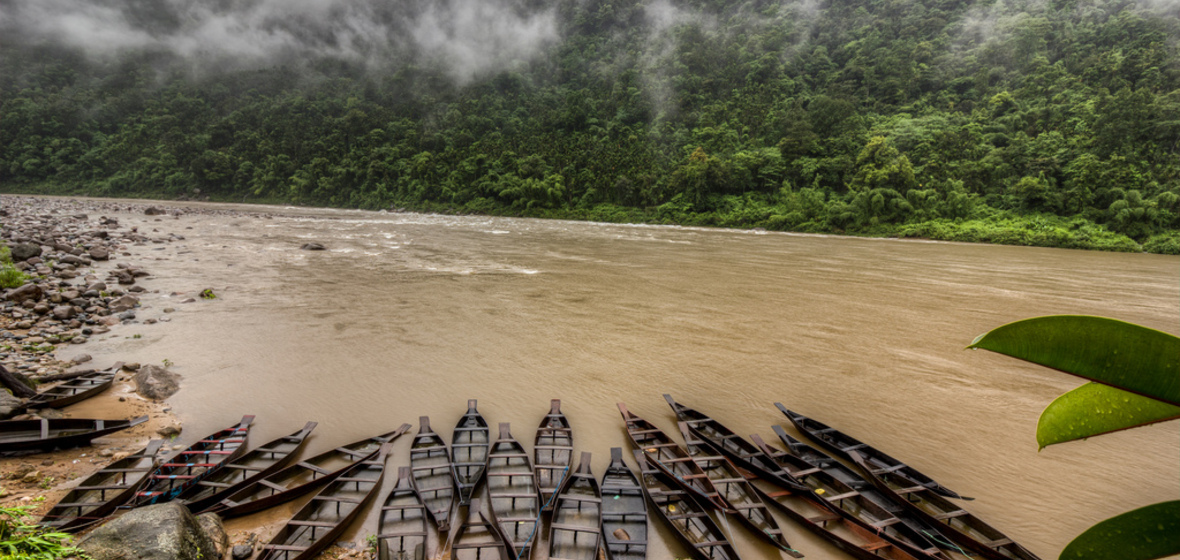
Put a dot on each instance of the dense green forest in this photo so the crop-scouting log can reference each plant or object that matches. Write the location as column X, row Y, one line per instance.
column 1043, row 122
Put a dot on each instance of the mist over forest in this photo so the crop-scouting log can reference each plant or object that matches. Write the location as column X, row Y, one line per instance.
column 1025, row 121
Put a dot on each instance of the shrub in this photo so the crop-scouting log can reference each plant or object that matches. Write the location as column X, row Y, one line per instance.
column 11, row 277
column 21, row 539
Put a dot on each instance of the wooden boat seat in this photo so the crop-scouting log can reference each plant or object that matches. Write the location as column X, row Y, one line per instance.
column 396, row 535
column 512, row 495
column 272, row 485
column 887, row 522
column 556, row 447
column 241, row 467
column 590, row 499
column 806, row 472
column 856, row 447
column 707, row 544
column 728, row 480
column 298, row 523
column 623, row 514
column 171, row 476
column 338, row 499
column 574, row 528
column 110, row 487
column 212, row 484
column 843, row 496
column 516, row 519
column 509, row 456
column 910, row 490
column 517, row 473
column 677, row 460
column 354, row 479
column 400, row 508
column 873, row 547
column 887, row 470
column 312, row 467
column 951, row 515
column 351, row 452
column 690, row 515
column 659, row 445
column 998, row 543
column 825, row 517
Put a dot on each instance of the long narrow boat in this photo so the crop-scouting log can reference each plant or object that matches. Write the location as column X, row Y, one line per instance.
column 73, row 391
column 512, row 493
column 576, row 530
column 963, row 527
column 851, row 504
column 99, row 494
column 431, row 469
column 256, row 464
column 401, row 527
column 185, row 469
column 671, row 459
column 21, row 436
column 624, row 511
column 302, row 477
column 478, row 538
column 469, row 452
column 841, row 444
column 684, row 514
column 724, row 440
column 815, row 458
column 322, row 520
column 553, row 451
column 737, row 491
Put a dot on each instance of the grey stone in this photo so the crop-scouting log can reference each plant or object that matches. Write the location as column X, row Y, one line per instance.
column 243, row 552
column 153, row 211
column 9, row 405
column 156, row 383
column 28, row 292
column 63, row 312
column 160, row 532
column 25, row 251
column 100, row 254
column 211, row 523
column 313, row 247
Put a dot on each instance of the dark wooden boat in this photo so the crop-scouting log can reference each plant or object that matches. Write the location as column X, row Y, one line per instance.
column 254, row 465
column 964, row 528
column 188, row 467
column 576, row 529
column 469, row 452
column 401, row 527
column 684, row 514
column 512, row 493
column 23, row 436
column 671, row 459
column 852, row 505
column 302, row 477
column 319, row 523
column 96, row 497
column 74, row 390
column 736, row 491
column 841, row 444
column 478, row 538
column 723, row 440
column 624, row 511
column 553, row 451
column 431, row 469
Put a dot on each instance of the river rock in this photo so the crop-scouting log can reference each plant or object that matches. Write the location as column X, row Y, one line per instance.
column 9, row 405
column 123, row 304
column 160, row 532
column 243, row 552
column 211, row 523
column 156, row 383
column 153, row 211
column 64, row 312
column 313, row 247
column 28, row 292
column 25, row 251
column 100, row 254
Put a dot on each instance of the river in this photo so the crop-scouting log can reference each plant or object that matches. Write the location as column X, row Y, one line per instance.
column 408, row 315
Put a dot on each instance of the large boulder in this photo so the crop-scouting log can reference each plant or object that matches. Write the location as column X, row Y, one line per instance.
column 156, row 383
column 25, row 251
column 9, row 405
column 26, row 292
column 160, row 532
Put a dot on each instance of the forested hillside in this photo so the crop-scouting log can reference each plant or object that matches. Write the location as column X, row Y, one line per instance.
column 1024, row 121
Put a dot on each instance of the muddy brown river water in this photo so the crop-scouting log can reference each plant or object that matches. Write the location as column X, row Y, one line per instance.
column 407, row 315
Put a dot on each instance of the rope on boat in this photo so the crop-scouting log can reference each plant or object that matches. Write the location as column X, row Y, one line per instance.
column 944, row 544
column 541, row 511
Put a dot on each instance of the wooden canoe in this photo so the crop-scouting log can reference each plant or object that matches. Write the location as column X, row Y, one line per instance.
column 23, row 436
column 478, row 538
column 576, row 529
column 512, row 494
column 841, row 444
column 723, row 440
column 302, row 477
column 319, row 523
column 469, row 452
column 684, row 514
column 189, row 466
column 99, row 494
column 431, row 470
column 669, row 457
column 624, row 511
column 553, row 451
column 963, row 527
column 73, row 390
column 254, row 465
column 736, row 490
column 401, row 527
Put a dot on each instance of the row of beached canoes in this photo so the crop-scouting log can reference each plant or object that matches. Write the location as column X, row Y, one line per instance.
column 881, row 509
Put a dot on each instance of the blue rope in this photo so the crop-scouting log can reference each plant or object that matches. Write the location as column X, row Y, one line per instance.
column 540, row 512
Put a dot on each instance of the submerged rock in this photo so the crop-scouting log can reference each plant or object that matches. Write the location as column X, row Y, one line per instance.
column 156, row 383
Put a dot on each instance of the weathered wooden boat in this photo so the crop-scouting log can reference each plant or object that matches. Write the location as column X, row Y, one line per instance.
column 553, row 451
column 188, row 467
column 841, row 444
column 21, row 436
column 319, row 523
column 478, row 538
column 401, row 527
column 743, row 453
column 736, row 491
column 624, row 511
column 431, row 469
column 512, row 493
column 302, row 477
column 576, row 529
column 469, row 452
column 254, row 465
column 671, row 459
column 101, row 493
column 73, row 390
column 964, row 528
column 852, row 505
column 684, row 514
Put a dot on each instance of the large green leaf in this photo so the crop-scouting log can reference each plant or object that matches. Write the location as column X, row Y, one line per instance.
column 1123, row 355
column 1143, row 534
column 1094, row 409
